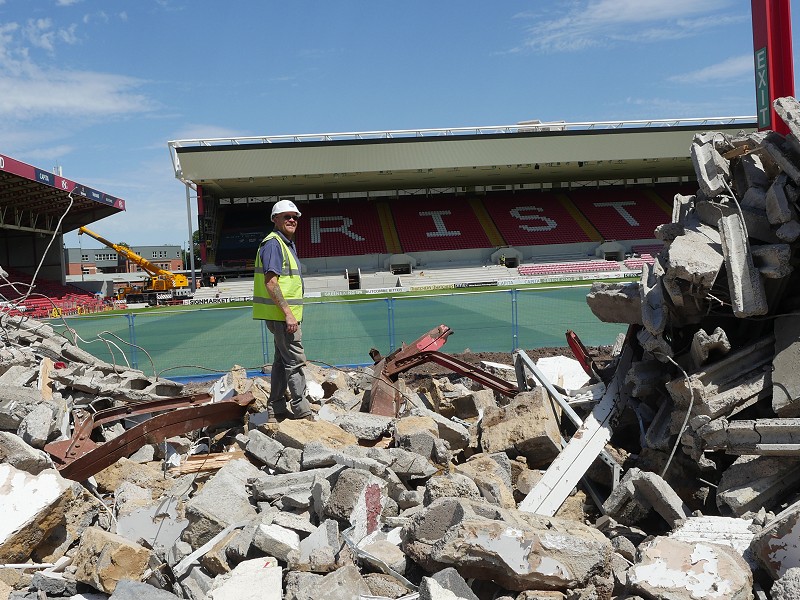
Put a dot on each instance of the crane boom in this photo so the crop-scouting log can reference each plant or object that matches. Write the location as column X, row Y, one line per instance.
column 160, row 279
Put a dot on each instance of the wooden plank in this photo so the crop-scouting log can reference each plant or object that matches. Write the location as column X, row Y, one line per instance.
column 44, row 378
column 201, row 463
column 582, row 450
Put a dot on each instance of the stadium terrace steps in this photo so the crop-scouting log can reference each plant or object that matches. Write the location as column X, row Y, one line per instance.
column 494, row 235
column 390, row 236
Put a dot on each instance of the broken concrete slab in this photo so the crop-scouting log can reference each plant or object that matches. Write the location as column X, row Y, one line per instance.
column 616, row 302
column 748, row 297
column 777, row 545
column 255, row 579
column 736, row 380
column 785, row 375
column 638, row 493
column 762, row 437
column 104, row 559
column 669, row 568
column 753, row 482
column 528, row 426
column 33, row 505
column 517, row 550
column 222, row 501
column 712, row 169
column 15, row 452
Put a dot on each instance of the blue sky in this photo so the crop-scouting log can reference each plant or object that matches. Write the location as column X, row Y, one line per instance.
column 98, row 87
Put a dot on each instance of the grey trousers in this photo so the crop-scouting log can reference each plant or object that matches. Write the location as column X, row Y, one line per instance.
column 287, row 371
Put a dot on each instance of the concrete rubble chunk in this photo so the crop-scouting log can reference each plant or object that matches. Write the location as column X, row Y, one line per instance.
column 528, row 426
column 255, row 579
column 638, row 493
column 778, row 206
column 134, row 590
column 762, row 437
column 15, row 452
column 711, row 169
column 447, row 583
column 787, row 586
column 788, row 109
column 773, row 261
column 33, row 505
column 670, row 568
column 748, row 296
column 616, row 302
column 783, row 154
column 777, row 545
column 358, row 498
column 519, row 551
column 692, row 262
column 785, row 375
column 705, row 345
column 15, row 404
column 752, row 482
column 104, row 559
column 344, row 583
column 736, row 380
column 222, row 501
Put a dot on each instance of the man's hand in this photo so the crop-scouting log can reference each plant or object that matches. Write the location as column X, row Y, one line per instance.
column 274, row 291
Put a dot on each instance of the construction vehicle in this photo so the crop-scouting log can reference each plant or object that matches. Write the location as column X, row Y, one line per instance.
column 160, row 287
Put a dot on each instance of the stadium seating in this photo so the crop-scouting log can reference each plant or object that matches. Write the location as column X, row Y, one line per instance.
column 586, row 266
column 48, row 298
column 533, row 218
column 620, row 213
column 441, row 222
column 651, row 249
column 347, row 228
column 638, row 263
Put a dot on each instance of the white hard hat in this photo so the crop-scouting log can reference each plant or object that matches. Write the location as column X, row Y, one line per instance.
column 283, row 206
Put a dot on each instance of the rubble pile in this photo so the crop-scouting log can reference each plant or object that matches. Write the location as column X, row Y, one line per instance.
column 668, row 473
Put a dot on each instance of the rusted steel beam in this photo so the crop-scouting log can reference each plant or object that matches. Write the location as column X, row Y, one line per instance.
column 81, row 457
column 384, row 395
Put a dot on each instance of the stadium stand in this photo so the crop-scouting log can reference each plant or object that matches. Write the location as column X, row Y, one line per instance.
column 46, row 298
column 621, row 213
column 348, row 228
column 441, row 222
column 534, row 218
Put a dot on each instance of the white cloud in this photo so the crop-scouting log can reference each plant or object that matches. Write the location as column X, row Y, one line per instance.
column 593, row 23
column 31, row 90
column 735, row 69
column 69, row 94
column 67, row 2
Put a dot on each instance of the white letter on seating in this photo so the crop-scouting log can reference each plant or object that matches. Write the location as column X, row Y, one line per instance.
column 344, row 228
column 619, row 207
column 517, row 214
column 441, row 229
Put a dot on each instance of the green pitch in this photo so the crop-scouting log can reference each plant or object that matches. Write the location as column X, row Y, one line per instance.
column 193, row 342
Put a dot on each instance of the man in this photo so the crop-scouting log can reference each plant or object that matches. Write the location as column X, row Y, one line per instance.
column 278, row 299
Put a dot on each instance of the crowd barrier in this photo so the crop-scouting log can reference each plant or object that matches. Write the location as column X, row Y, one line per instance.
column 212, row 339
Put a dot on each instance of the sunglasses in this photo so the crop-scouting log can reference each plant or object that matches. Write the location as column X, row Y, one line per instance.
column 291, row 217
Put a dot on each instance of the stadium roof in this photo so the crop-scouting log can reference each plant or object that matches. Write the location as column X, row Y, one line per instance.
column 32, row 199
column 527, row 152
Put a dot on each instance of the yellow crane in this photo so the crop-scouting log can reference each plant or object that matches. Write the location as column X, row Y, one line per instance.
column 159, row 280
